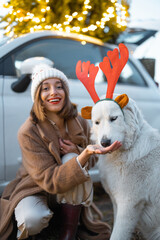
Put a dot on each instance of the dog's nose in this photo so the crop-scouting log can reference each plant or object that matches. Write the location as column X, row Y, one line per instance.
column 105, row 142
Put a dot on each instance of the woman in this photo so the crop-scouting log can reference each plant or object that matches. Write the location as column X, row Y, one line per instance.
column 56, row 154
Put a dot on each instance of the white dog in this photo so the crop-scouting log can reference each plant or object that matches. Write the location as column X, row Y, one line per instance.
column 131, row 174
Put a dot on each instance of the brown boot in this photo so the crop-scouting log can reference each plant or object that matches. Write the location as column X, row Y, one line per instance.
column 69, row 221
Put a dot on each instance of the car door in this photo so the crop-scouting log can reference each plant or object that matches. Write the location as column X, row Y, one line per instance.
column 2, row 175
column 16, row 110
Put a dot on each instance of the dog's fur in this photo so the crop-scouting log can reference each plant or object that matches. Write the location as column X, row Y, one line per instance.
column 131, row 174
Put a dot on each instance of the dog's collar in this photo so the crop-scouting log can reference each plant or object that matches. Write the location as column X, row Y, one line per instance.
column 109, row 99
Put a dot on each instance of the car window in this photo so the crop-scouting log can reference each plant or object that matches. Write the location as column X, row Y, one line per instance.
column 130, row 74
column 65, row 53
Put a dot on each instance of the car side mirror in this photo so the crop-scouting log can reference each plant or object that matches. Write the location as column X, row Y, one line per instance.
column 22, row 83
column 26, row 70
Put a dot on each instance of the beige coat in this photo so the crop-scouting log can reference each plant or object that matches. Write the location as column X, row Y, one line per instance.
column 42, row 169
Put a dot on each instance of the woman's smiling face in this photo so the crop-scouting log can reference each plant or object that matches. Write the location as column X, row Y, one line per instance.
column 52, row 95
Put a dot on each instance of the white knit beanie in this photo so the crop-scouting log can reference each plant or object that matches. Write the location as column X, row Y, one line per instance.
column 42, row 72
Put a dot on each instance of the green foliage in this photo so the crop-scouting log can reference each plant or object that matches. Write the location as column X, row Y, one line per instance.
column 33, row 15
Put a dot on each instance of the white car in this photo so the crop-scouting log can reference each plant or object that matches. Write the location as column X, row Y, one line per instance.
column 64, row 50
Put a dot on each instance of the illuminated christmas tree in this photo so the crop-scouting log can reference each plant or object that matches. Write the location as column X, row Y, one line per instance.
column 104, row 19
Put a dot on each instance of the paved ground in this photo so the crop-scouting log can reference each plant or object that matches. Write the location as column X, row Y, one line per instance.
column 102, row 200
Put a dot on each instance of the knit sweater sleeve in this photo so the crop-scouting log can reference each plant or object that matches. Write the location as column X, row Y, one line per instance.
column 42, row 166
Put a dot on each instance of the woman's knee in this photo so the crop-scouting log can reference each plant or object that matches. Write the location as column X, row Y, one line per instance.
column 37, row 221
column 33, row 213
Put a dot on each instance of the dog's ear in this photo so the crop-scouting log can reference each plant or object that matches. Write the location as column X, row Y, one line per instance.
column 86, row 112
column 122, row 100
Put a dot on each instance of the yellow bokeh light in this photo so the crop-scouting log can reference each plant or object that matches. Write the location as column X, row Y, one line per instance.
column 86, row 2
column 66, row 23
column 70, row 18
column 88, row 7
column 123, row 13
column 80, row 18
column 67, row 29
column 77, row 29
column 85, row 12
column 111, row 15
column 36, row 19
column 39, row 27
column 123, row 23
column 84, row 29
column 92, row 27
column 116, row 10
column 75, row 14
column 32, row 30
column 8, row 29
column 21, row 19
column 83, row 42
column 47, row 27
column 110, row 10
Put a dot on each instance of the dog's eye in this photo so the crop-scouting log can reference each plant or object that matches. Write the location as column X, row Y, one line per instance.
column 97, row 122
column 113, row 118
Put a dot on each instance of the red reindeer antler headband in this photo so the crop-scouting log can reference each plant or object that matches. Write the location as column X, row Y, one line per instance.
column 112, row 67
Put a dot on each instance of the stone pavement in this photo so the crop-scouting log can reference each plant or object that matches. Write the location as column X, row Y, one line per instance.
column 102, row 201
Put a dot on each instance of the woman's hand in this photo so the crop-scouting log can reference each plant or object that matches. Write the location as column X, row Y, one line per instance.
column 96, row 149
column 66, row 146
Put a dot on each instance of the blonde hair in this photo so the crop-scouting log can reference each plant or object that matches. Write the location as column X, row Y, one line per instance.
column 68, row 111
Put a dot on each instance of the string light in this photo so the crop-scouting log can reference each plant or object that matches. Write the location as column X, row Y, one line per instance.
column 80, row 18
column 118, row 11
column 67, row 29
column 110, row 10
column 88, row 7
column 8, row 29
column 86, row 2
column 84, row 29
column 36, row 19
column 66, row 23
column 32, row 30
column 85, row 12
column 74, row 14
column 83, row 42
